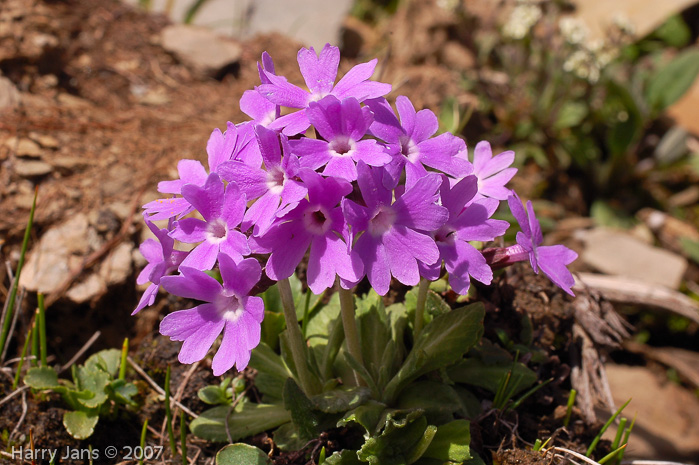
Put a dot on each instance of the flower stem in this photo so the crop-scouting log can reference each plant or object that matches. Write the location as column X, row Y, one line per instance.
column 296, row 341
column 420, row 308
column 349, row 324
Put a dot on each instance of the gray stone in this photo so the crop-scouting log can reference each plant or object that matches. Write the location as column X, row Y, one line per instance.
column 117, row 267
column 665, row 412
column 617, row 253
column 32, row 168
column 59, row 250
column 23, row 147
column 200, row 47
column 86, row 290
column 310, row 22
column 44, row 140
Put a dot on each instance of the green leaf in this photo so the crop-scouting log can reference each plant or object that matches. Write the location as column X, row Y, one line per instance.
column 241, row 454
column 691, row 248
column 213, row 395
column 95, row 381
column 476, row 372
column 452, row 442
column 605, row 214
column 106, row 360
column 441, row 343
column 271, row 371
column 80, row 424
column 309, row 421
column 246, row 420
column 122, row 391
column 470, row 404
column 438, row 400
column 671, row 82
column 320, row 321
column 570, row 114
column 265, row 360
column 341, row 399
column 625, row 120
column 367, row 416
column 346, row 457
column 41, row 378
column 272, row 326
column 674, row 32
column 287, row 437
column 397, row 443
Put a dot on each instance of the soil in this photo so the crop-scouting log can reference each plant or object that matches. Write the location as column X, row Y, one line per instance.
column 113, row 113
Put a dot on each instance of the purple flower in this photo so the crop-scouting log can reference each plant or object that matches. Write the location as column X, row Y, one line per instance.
column 410, row 142
column 319, row 73
column 274, row 187
column 316, row 222
column 253, row 104
column 492, row 172
column 394, row 239
column 227, row 308
column 222, row 213
column 468, row 221
column 235, row 144
column 342, row 125
column 551, row 259
column 162, row 259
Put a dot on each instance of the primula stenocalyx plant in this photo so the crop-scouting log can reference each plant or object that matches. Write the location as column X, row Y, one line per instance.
column 339, row 177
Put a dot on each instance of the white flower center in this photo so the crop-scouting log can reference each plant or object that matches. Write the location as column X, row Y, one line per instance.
column 382, row 221
column 409, row 149
column 275, row 179
column 216, row 231
column 228, row 306
column 342, row 146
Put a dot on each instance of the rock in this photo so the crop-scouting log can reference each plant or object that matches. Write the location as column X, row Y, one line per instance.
column 51, row 262
column 311, row 22
column 23, row 147
column 86, row 290
column 32, row 168
column 666, row 426
column 44, row 140
column 61, row 251
column 617, row 253
column 9, row 95
column 68, row 164
column 643, row 16
column 117, row 267
column 200, row 48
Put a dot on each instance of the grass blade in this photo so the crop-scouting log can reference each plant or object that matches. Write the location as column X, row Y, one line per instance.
column 15, row 284
column 595, row 441
column 42, row 329
column 144, row 430
column 21, row 359
column 168, row 414
column 183, row 438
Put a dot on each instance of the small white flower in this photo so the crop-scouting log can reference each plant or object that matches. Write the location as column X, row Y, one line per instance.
column 573, row 30
column 521, row 20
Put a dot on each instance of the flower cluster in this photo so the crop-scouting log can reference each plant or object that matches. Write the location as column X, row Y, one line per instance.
column 375, row 194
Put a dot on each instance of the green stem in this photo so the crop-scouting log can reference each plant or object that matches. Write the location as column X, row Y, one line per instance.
column 10, row 304
column 296, row 341
column 420, row 308
column 42, row 330
column 349, row 324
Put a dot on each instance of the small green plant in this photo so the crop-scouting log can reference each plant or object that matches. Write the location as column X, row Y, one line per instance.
column 94, row 391
column 576, row 105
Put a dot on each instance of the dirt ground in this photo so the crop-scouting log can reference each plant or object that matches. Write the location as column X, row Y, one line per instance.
column 104, row 113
